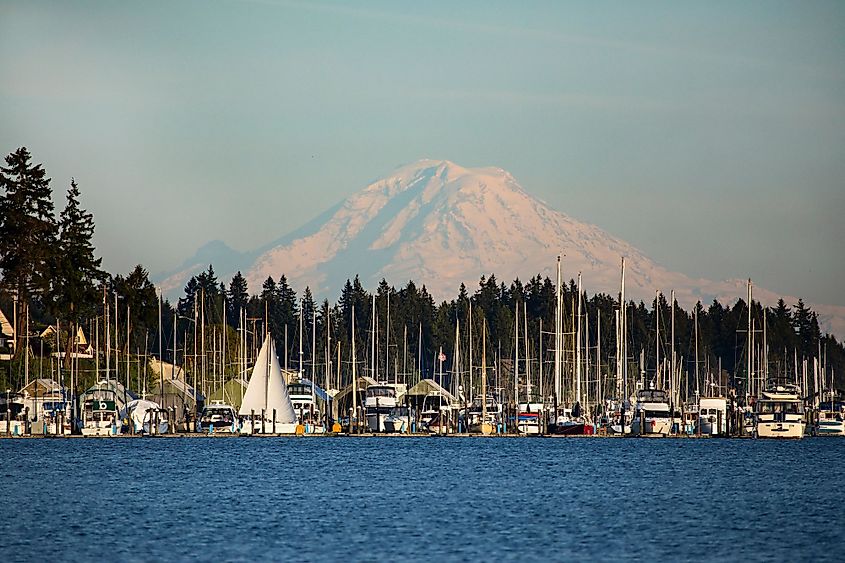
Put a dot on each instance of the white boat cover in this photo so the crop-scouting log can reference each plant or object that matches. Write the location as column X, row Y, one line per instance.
column 140, row 415
column 267, row 389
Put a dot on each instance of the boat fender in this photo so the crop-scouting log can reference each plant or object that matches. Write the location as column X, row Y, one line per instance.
column 300, row 430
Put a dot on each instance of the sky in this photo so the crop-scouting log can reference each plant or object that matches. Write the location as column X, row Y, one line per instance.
column 711, row 135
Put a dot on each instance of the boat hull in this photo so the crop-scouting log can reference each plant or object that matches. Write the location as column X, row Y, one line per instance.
column 572, row 429
column 780, row 430
column 652, row 427
column 830, row 428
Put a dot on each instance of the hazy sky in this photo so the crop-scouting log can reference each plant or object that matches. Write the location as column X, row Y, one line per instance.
column 711, row 135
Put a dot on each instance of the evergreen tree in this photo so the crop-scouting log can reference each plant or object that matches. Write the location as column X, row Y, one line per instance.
column 75, row 271
column 28, row 228
column 237, row 296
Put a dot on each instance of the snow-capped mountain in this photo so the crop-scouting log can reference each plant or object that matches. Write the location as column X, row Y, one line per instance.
column 440, row 224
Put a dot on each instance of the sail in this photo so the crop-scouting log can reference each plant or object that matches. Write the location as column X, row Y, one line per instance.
column 267, row 389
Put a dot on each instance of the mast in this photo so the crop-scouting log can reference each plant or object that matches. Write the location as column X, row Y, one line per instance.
column 483, row 374
column 558, row 332
column 674, row 385
column 750, row 344
column 373, row 341
column 469, row 332
column 516, row 357
column 387, row 341
column 527, row 361
column 314, row 356
column 578, row 346
column 354, row 408
column 456, row 361
column 301, row 312
column 107, row 307
column 599, row 398
column 657, row 379
column 160, row 354
column 623, row 336
column 697, row 386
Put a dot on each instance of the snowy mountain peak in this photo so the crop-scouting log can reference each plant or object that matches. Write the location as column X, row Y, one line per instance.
column 441, row 224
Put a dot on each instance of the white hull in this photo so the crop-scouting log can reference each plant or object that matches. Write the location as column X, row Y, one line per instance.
column 791, row 430
column 281, row 428
column 97, row 430
column 653, row 427
column 396, row 425
column 711, row 426
column 377, row 422
column 831, row 428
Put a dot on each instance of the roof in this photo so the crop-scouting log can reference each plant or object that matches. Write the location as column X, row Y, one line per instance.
column 364, row 381
column 430, row 387
column 41, row 386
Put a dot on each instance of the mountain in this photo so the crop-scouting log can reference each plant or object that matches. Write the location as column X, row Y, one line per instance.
column 441, row 224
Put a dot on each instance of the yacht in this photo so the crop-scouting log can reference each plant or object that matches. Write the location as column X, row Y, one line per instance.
column 529, row 418
column 304, row 403
column 398, row 420
column 219, row 417
column 572, row 422
column 100, row 416
column 712, row 416
column 831, row 421
column 476, row 415
column 379, row 401
column 652, row 414
column 779, row 413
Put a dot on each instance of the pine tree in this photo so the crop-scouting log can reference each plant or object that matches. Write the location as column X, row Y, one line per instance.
column 28, row 228
column 238, row 297
column 75, row 271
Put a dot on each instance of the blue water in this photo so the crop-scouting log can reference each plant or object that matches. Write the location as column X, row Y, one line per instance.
column 429, row 499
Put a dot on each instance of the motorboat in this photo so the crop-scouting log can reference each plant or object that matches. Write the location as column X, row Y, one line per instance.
column 712, row 416
column 379, row 401
column 652, row 413
column 218, row 417
column 779, row 413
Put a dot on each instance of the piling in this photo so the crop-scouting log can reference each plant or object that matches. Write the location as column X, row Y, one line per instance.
column 274, row 421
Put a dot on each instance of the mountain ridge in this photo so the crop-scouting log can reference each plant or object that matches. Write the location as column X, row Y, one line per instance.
column 441, row 224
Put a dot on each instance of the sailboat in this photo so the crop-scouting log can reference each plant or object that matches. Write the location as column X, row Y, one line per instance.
column 266, row 407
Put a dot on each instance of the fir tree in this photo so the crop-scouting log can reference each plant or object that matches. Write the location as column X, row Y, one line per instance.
column 28, row 228
column 75, row 271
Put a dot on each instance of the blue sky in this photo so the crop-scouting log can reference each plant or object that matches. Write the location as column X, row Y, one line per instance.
column 711, row 135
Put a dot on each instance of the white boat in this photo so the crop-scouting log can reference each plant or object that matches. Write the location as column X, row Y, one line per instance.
column 266, row 407
column 378, row 402
column 484, row 416
column 529, row 418
column 831, row 421
column 712, row 415
column 219, row 417
column 398, row 420
column 100, row 416
column 779, row 414
column 652, row 415
column 145, row 417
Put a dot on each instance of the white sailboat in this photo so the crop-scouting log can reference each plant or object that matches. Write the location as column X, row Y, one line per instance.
column 267, row 408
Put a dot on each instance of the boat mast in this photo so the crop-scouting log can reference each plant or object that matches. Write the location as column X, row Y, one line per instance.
column 387, row 342
column 750, row 344
column 674, row 383
column 456, row 362
column 314, row 357
column 301, row 302
column 527, row 353
column 354, row 408
column 623, row 335
column 558, row 332
column 658, row 383
column 516, row 357
column 578, row 346
column 469, row 367
column 373, row 341
column 697, row 386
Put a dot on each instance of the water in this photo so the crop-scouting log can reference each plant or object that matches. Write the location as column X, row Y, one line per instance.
column 431, row 499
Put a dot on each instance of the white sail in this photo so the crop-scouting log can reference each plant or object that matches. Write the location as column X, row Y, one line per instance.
column 267, row 389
